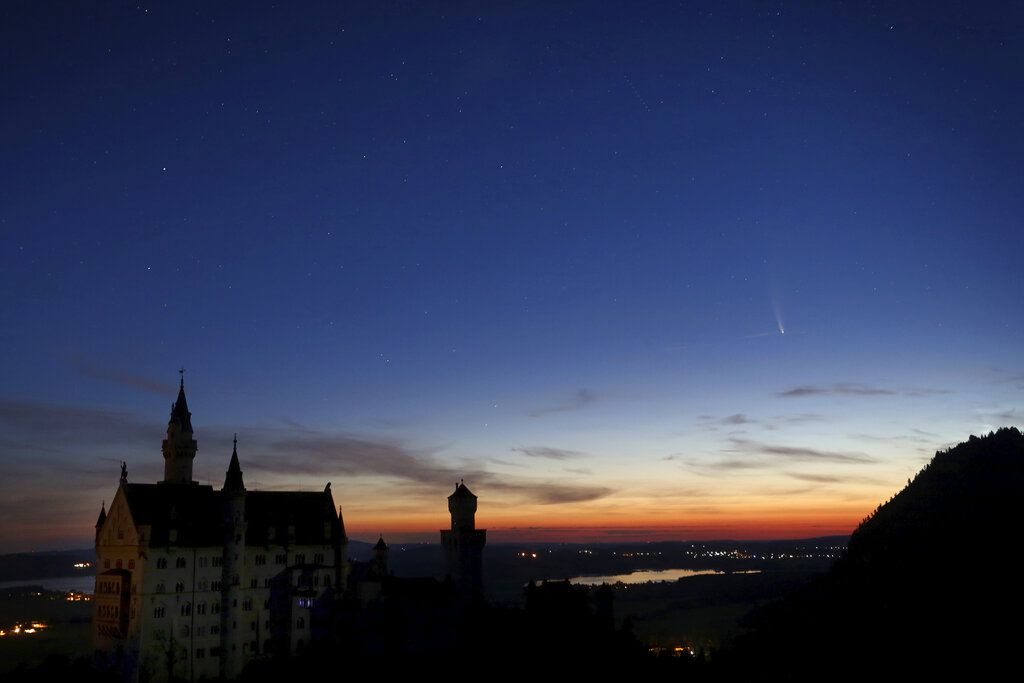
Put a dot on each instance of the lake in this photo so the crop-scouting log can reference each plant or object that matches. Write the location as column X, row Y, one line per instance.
column 645, row 576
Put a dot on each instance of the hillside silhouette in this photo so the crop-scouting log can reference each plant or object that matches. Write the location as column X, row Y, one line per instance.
column 929, row 583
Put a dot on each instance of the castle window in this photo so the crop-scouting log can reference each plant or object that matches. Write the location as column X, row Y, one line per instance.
column 160, row 588
column 186, row 609
column 281, row 559
column 203, row 561
column 300, row 559
column 252, row 626
column 184, row 630
column 253, row 583
column 218, row 561
column 131, row 564
column 214, row 630
column 200, row 652
column 247, row 604
column 180, row 563
column 318, row 558
column 201, row 608
column 300, row 623
column 161, row 563
column 179, row 587
column 327, row 579
column 119, row 564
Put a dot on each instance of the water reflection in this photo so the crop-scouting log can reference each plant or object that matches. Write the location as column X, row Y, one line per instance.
column 644, row 576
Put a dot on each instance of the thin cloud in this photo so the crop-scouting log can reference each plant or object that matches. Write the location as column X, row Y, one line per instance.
column 549, row 453
column 734, row 419
column 123, row 377
column 851, row 389
column 798, row 452
column 333, row 454
column 817, row 478
column 831, row 478
column 726, row 464
column 50, row 426
column 581, row 399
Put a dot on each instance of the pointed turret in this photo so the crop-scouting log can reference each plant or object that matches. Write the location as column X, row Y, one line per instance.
column 179, row 447
column 180, row 414
column 233, row 479
column 380, row 557
column 100, row 520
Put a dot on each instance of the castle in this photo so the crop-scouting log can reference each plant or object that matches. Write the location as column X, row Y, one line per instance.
column 194, row 582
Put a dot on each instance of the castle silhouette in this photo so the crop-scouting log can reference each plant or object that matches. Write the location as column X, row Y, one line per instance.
column 196, row 582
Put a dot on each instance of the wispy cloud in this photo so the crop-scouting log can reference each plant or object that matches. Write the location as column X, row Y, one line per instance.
column 549, row 453
column 796, row 452
column 106, row 373
column 291, row 451
column 50, row 426
column 832, row 478
column 734, row 419
column 851, row 389
column 581, row 399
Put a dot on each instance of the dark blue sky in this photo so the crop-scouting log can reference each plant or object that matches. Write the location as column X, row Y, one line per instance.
column 548, row 244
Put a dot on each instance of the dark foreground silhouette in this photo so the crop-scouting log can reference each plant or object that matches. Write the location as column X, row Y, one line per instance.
column 929, row 584
column 928, row 587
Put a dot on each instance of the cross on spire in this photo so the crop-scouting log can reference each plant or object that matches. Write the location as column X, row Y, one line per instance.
column 182, row 373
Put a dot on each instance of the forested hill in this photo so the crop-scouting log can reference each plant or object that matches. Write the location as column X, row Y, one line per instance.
column 970, row 492
column 927, row 583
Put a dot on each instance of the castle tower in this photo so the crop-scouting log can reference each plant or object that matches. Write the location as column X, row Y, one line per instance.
column 179, row 447
column 464, row 544
column 233, row 631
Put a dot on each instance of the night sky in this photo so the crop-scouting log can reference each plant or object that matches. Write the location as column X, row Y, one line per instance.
column 634, row 270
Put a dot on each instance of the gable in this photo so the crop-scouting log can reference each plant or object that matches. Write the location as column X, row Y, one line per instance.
column 119, row 528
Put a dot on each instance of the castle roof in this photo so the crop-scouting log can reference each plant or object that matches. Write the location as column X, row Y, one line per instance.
column 196, row 513
column 462, row 491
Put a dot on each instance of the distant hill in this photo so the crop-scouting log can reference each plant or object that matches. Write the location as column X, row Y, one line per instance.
column 46, row 565
column 927, row 578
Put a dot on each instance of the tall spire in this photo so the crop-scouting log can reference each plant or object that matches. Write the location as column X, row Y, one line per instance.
column 233, row 479
column 180, row 414
column 103, row 515
column 179, row 447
